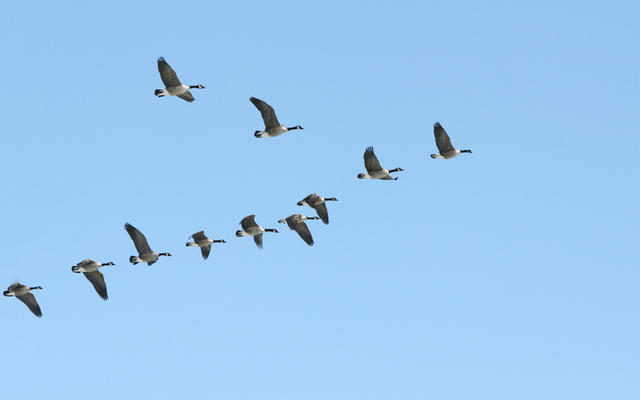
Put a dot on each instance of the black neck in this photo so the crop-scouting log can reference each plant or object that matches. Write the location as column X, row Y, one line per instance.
column 196, row 87
column 35, row 287
column 465, row 151
column 395, row 170
column 270, row 230
column 331, row 199
column 293, row 128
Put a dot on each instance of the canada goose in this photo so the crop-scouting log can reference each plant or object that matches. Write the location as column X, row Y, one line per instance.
column 374, row 170
column 445, row 148
column 22, row 293
column 250, row 228
column 272, row 127
column 318, row 203
column 200, row 240
column 172, row 83
column 296, row 222
column 145, row 254
column 90, row 269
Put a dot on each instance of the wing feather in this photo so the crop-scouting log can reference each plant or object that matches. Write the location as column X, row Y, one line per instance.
column 205, row 250
column 303, row 231
column 248, row 222
column 258, row 240
column 371, row 162
column 268, row 113
column 97, row 280
column 30, row 300
column 139, row 240
column 167, row 74
column 187, row 96
column 442, row 139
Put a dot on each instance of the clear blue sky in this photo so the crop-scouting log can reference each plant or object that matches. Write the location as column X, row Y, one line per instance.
column 509, row 273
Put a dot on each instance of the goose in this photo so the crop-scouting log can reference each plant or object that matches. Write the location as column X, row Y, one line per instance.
column 200, row 240
column 272, row 127
column 172, row 83
column 145, row 254
column 296, row 223
column 22, row 293
column 445, row 148
column 250, row 228
column 318, row 203
column 90, row 270
column 374, row 170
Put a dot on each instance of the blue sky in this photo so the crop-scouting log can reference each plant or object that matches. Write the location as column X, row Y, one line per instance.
column 509, row 273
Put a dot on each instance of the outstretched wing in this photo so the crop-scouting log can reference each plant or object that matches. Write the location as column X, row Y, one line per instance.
column 205, row 250
column 187, row 96
column 442, row 139
column 167, row 74
column 248, row 222
column 305, row 234
column 138, row 239
column 293, row 220
column 371, row 162
column 14, row 286
column 30, row 300
column 199, row 236
column 258, row 240
column 268, row 114
column 321, row 209
column 97, row 280
column 311, row 199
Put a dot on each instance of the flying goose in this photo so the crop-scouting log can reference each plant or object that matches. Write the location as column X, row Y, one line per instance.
column 296, row 223
column 374, row 169
column 172, row 83
column 145, row 254
column 318, row 203
column 445, row 148
column 200, row 240
column 250, row 228
column 22, row 293
column 90, row 270
column 272, row 127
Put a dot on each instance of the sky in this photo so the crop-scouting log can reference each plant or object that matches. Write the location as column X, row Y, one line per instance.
column 508, row 273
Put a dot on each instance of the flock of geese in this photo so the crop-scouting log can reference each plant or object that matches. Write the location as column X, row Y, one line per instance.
column 295, row 222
